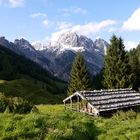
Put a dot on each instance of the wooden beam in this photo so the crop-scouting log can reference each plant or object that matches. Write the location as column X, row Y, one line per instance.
column 70, row 97
column 71, row 103
column 77, row 103
column 64, row 105
column 76, row 93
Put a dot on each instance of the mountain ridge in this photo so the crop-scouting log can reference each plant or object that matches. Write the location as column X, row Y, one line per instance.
column 57, row 56
column 63, row 51
column 17, row 67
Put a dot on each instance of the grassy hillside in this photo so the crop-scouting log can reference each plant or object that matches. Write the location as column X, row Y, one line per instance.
column 53, row 123
column 22, row 77
column 121, row 126
column 35, row 91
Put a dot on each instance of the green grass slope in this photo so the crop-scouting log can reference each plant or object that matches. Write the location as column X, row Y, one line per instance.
column 34, row 91
column 121, row 126
column 22, row 77
column 54, row 123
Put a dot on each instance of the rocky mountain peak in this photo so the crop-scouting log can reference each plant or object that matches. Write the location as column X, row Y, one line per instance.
column 86, row 42
column 38, row 45
column 62, row 52
column 24, row 44
column 101, row 44
column 58, row 57
column 68, row 38
column 5, row 42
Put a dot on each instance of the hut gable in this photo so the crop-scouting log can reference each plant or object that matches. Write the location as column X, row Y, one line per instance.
column 106, row 100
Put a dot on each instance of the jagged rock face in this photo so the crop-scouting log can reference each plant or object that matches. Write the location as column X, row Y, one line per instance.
column 23, row 47
column 24, row 44
column 4, row 42
column 68, row 38
column 58, row 56
column 38, row 45
column 62, row 52
column 87, row 43
column 102, row 44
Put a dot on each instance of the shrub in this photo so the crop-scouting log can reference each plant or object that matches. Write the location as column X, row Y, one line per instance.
column 14, row 105
column 3, row 102
column 34, row 110
column 7, row 110
column 21, row 105
column 121, row 115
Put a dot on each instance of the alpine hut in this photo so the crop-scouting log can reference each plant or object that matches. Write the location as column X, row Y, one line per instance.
column 99, row 101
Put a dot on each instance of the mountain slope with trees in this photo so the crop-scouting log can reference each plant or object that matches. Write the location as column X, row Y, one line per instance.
column 14, row 67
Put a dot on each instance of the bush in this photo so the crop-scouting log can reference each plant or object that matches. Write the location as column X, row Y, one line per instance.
column 21, row 105
column 14, row 105
column 121, row 115
column 34, row 110
column 3, row 102
column 7, row 110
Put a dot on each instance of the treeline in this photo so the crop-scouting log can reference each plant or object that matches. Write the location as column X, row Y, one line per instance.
column 121, row 70
column 14, row 66
column 121, row 67
column 134, row 61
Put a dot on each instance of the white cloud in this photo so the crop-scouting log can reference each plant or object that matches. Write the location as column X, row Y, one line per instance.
column 63, row 25
column 73, row 10
column 92, row 27
column 80, row 11
column 55, row 36
column 46, row 22
column 133, row 23
column 16, row 3
column 60, row 25
column 130, row 44
column 114, row 29
column 36, row 15
column 86, row 29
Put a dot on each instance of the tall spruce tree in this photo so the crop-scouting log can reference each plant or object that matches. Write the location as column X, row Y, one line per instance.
column 79, row 79
column 116, row 68
column 138, row 52
column 135, row 68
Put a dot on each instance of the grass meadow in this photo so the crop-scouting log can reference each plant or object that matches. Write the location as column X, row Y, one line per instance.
column 52, row 122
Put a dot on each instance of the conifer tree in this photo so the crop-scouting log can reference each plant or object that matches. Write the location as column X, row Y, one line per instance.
column 116, row 68
column 79, row 79
column 135, row 68
column 8, row 71
column 138, row 52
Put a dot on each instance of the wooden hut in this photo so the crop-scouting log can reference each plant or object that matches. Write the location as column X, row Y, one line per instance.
column 99, row 101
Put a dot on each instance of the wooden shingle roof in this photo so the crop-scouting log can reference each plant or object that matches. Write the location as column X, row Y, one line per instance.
column 104, row 100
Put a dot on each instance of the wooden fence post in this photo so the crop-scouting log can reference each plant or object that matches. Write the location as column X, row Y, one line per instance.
column 64, row 105
column 71, row 103
column 77, row 103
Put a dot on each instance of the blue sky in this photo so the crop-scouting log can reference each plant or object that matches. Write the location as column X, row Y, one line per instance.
column 44, row 20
